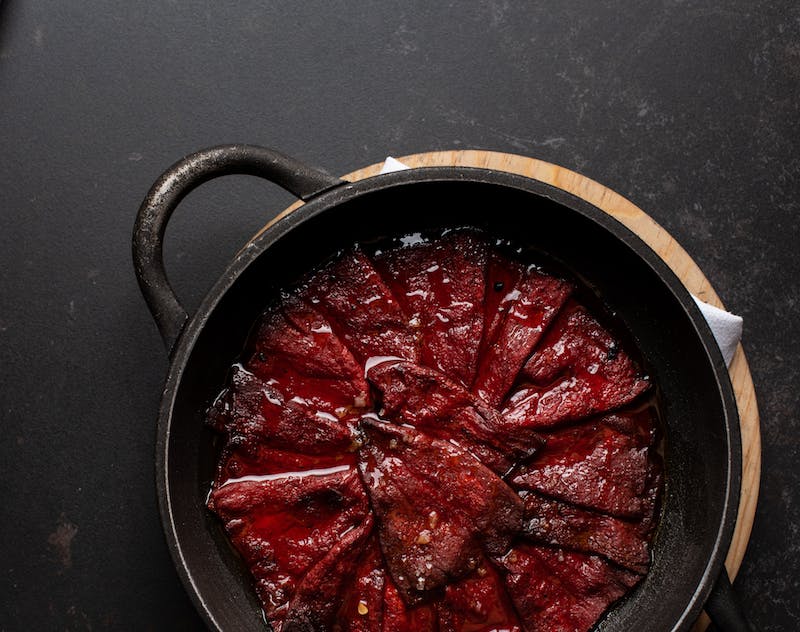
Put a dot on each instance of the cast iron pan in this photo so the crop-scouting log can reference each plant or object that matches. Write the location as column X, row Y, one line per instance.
column 703, row 451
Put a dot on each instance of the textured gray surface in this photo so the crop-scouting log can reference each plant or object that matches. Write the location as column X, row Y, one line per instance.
column 689, row 110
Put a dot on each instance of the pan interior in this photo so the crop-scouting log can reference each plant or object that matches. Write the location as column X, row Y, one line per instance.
column 592, row 246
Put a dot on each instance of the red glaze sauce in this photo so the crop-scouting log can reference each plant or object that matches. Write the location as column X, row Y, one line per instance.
column 437, row 436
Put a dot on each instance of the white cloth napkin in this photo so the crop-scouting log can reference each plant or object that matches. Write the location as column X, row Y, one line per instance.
column 726, row 327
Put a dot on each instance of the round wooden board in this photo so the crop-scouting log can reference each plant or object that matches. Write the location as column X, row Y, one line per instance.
column 677, row 259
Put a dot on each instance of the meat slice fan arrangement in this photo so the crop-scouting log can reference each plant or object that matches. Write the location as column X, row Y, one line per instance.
column 437, row 436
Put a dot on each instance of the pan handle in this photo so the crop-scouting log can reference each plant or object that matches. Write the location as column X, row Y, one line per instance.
column 723, row 608
column 174, row 185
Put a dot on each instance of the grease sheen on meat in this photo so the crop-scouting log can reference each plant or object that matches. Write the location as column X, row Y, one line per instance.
column 435, row 434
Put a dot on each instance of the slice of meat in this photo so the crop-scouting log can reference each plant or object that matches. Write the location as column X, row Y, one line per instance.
column 424, row 545
column 455, row 480
column 441, row 284
column 468, row 429
column 248, row 456
column 397, row 617
column 533, row 303
column 284, row 524
column 363, row 604
column 428, row 400
column 595, row 464
column 550, row 521
column 296, row 351
column 502, row 276
column 553, row 589
column 316, row 603
column 362, row 309
column 252, row 410
column 417, row 394
column 478, row 602
column 578, row 370
column 436, row 506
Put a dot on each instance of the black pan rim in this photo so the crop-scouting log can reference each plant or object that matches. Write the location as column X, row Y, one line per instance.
column 327, row 202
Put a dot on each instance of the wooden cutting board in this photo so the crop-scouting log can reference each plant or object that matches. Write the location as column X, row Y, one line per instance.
column 675, row 257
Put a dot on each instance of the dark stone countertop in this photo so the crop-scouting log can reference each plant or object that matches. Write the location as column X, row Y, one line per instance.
column 689, row 110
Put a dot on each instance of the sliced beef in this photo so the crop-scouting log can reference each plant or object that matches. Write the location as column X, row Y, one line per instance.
column 603, row 464
column 441, row 284
column 553, row 589
column 248, row 456
column 578, row 370
column 561, row 524
column 436, row 506
column 362, row 309
column 424, row 545
column 297, row 352
column 315, row 604
column 502, row 276
column 428, row 400
column 284, row 524
column 419, row 395
column 362, row 606
column 356, row 522
column 479, row 602
column 532, row 305
column 398, row 617
column 253, row 410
